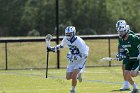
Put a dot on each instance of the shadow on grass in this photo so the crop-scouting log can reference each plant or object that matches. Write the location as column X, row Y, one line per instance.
column 118, row 90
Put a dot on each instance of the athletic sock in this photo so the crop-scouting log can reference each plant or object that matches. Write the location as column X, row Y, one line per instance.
column 134, row 86
column 126, row 83
column 73, row 88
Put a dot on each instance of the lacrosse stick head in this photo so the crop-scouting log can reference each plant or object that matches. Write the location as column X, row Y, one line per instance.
column 105, row 59
column 48, row 37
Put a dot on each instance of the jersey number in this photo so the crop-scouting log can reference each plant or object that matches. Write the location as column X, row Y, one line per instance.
column 74, row 50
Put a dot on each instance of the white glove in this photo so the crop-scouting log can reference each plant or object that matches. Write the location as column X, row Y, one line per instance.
column 69, row 57
column 138, row 57
column 72, row 57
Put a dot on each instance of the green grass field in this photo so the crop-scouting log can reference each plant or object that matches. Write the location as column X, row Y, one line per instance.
column 33, row 55
column 95, row 80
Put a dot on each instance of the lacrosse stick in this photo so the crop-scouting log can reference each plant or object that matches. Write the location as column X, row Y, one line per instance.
column 47, row 39
column 105, row 59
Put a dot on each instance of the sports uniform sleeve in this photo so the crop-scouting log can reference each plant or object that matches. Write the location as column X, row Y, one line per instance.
column 83, row 48
column 58, row 47
column 136, row 40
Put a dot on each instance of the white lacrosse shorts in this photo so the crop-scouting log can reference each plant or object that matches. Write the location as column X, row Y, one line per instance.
column 80, row 64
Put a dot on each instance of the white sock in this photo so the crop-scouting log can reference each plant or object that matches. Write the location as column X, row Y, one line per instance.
column 73, row 87
column 134, row 86
column 126, row 83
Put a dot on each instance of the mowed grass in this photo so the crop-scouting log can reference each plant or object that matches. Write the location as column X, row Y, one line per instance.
column 32, row 55
column 95, row 80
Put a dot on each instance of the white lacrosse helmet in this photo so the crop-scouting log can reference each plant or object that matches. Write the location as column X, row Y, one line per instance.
column 70, row 32
column 120, row 22
column 122, row 30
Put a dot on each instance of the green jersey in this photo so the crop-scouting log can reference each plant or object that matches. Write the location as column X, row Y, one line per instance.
column 131, row 44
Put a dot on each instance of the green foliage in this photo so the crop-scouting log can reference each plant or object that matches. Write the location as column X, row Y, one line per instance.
column 18, row 17
column 33, row 33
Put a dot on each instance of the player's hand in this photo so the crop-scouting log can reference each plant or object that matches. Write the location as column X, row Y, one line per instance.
column 138, row 57
column 49, row 49
column 69, row 56
column 120, row 57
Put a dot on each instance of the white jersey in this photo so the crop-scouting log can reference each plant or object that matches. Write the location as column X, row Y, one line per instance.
column 76, row 45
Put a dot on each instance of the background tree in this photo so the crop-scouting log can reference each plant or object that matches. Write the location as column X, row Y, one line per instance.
column 19, row 17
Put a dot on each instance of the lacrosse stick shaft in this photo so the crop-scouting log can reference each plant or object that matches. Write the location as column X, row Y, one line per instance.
column 47, row 45
column 133, row 58
column 47, row 64
column 48, row 38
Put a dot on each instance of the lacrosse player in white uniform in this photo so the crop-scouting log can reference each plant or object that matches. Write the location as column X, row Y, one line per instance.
column 77, row 55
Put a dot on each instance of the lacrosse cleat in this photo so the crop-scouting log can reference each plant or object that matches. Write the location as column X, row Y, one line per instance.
column 135, row 91
column 79, row 78
column 124, row 88
column 72, row 91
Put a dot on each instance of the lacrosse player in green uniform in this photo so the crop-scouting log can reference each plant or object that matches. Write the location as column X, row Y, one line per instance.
column 126, row 83
column 128, row 48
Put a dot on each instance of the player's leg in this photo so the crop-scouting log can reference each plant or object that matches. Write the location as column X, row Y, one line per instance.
column 135, row 70
column 79, row 75
column 126, row 83
column 129, row 78
column 81, row 67
column 129, row 73
column 131, row 81
column 71, row 73
column 74, row 78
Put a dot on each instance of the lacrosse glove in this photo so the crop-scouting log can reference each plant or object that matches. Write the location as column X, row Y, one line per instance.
column 50, row 49
column 123, row 54
column 120, row 57
column 69, row 57
column 72, row 57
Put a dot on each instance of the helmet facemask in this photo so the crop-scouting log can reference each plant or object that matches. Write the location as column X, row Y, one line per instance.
column 122, row 31
column 69, row 35
column 70, row 32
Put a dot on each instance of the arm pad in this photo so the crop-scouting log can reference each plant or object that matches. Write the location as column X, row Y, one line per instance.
column 54, row 49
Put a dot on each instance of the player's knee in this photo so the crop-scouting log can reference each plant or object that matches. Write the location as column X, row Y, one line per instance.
column 127, row 74
column 74, row 76
column 68, row 76
column 133, row 73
